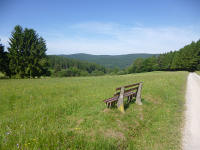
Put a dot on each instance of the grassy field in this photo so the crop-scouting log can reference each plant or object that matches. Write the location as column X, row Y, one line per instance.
column 198, row 72
column 68, row 113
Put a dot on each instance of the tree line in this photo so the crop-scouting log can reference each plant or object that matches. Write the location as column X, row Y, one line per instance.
column 61, row 66
column 185, row 59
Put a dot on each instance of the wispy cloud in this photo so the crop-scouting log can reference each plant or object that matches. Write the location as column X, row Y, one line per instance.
column 4, row 40
column 113, row 38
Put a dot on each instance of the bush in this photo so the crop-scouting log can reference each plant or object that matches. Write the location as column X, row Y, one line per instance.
column 84, row 73
column 122, row 72
column 97, row 73
column 198, row 67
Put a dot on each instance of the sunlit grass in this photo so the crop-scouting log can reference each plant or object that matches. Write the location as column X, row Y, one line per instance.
column 68, row 113
column 1, row 75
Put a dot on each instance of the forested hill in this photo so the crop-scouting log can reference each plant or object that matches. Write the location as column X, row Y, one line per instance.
column 63, row 66
column 110, row 61
column 186, row 58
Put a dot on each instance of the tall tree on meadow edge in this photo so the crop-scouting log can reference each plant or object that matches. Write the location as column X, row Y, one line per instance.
column 2, row 55
column 4, row 61
column 27, row 53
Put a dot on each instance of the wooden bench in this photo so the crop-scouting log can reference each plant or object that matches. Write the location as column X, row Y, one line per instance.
column 129, row 91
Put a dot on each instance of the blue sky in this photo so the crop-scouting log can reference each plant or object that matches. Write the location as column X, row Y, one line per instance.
column 105, row 26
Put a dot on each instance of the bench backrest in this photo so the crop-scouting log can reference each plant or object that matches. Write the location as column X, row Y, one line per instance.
column 128, row 88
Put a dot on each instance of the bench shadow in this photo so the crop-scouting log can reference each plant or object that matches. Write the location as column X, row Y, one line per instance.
column 1, row 78
column 127, row 104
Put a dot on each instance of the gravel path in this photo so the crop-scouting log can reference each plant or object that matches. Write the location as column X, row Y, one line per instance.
column 191, row 135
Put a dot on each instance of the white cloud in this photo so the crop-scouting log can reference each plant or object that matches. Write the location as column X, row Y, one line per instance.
column 119, row 39
column 114, row 39
column 4, row 40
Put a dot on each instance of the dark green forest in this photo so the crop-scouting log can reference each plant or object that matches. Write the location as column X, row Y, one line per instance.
column 110, row 61
column 62, row 66
column 185, row 59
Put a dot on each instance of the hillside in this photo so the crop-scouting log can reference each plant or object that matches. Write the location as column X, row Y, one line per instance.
column 58, row 63
column 110, row 61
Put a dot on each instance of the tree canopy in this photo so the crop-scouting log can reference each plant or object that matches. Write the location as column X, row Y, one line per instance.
column 187, row 58
column 63, row 66
column 26, row 53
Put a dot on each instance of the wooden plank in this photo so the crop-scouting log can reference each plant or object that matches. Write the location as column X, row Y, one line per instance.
column 131, row 89
column 126, row 91
column 127, row 86
column 130, row 93
column 111, row 99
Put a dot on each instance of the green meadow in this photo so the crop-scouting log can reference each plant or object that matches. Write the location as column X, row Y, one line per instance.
column 68, row 113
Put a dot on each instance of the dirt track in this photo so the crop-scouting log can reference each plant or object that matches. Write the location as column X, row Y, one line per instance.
column 191, row 136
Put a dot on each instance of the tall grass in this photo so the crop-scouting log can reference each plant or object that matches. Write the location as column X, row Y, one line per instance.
column 68, row 113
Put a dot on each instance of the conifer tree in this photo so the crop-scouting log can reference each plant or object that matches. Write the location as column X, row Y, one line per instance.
column 27, row 53
column 4, row 61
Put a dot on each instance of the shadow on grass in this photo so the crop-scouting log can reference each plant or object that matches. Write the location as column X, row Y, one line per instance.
column 127, row 104
column 4, row 77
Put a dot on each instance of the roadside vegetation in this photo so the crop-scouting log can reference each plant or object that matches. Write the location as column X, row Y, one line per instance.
column 68, row 113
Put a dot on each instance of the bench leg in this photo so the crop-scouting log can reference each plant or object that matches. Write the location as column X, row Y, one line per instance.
column 120, row 102
column 129, row 99
column 138, row 96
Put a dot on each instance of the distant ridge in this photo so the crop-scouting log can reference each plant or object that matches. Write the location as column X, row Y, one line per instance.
column 110, row 61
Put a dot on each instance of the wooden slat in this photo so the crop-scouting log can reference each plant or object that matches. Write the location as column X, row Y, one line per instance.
column 127, row 86
column 130, row 93
column 111, row 99
column 131, row 89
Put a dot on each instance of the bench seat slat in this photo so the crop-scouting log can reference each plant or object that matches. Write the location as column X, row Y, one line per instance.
column 129, row 94
column 111, row 99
